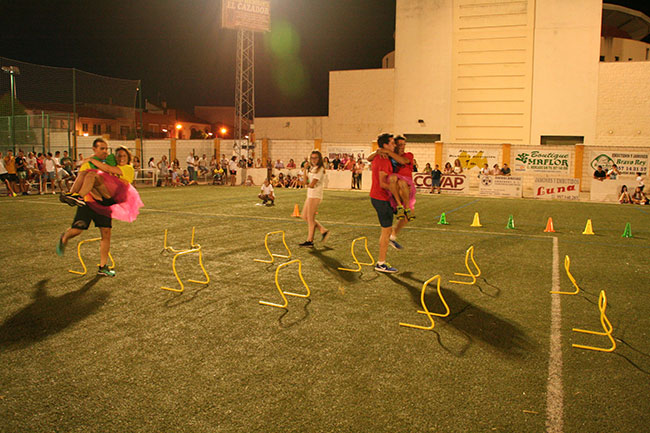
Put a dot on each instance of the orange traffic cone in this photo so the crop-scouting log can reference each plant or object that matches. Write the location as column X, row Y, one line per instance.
column 549, row 226
column 296, row 212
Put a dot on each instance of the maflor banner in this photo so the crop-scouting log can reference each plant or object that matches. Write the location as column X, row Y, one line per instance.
column 627, row 162
column 473, row 158
column 450, row 184
column 500, row 186
column 556, row 188
column 542, row 162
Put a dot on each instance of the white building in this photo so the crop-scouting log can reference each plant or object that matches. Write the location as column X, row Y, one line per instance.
column 526, row 72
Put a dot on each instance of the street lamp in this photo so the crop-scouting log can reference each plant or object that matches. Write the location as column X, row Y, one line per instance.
column 12, row 70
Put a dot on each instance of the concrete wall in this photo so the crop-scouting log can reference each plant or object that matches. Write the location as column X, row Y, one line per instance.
column 422, row 66
column 290, row 128
column 627, row 50
column 492, row 53
column 623, row 117
column 361, row 105
column 565, row 83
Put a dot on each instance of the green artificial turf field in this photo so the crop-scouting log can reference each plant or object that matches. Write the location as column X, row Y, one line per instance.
column 82, row 354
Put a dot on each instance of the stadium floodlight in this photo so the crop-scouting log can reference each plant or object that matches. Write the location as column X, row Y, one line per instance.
column 12, row 71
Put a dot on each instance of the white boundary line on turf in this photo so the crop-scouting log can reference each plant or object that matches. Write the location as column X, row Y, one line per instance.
column 554, row 393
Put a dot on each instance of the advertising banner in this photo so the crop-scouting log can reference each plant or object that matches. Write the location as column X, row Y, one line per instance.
column 473, row 158
column 453, row 183
column 535, row 161
column 345, row 151
column 627, row 162
column 500, row 186
column 252, row 15
column 556, row 188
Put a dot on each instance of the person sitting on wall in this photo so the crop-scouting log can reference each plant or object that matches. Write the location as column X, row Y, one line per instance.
column 505, row 170
column 625, row 196
column 613, row 172
column 600, row 174
column 639, row 196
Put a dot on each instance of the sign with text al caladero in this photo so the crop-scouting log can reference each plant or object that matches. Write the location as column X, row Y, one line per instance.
column 252, row 15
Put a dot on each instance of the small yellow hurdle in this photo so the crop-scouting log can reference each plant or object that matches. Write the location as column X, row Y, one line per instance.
column 266, row 245
column 426, row 310
column 354, row 256
column 83, row 265
column 194, row 248
column 283, row 293
column 567, row 263
column 472, row 275
column 606, row 324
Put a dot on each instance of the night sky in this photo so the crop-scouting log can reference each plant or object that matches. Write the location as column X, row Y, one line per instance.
column 181, row 54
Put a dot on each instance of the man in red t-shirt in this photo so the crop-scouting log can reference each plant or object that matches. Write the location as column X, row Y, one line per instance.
column 380, row 198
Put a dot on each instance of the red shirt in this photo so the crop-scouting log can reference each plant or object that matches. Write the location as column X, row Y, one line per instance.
column 380, row 164
column 406, row 169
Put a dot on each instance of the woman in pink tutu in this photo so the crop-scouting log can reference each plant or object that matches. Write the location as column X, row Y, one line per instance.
column 401, row 183
column 107, row 189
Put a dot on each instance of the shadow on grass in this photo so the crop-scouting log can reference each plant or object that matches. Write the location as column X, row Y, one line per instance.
column 285, row 324
column 332, row 266
column 47, row 315
column 179, row 299
column 472, row 321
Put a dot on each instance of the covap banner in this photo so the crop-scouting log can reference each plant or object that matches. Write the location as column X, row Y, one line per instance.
column 450, row 184
column 542, row 162
column 556, row 188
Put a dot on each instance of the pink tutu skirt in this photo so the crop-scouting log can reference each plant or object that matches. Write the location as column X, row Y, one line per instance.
column 127, row 200
column 412, row 191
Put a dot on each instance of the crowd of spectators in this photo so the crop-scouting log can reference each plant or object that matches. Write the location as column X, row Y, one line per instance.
column 33, row 173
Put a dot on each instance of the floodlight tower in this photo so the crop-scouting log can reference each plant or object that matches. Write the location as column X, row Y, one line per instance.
column 247, row 17
column 244, row 88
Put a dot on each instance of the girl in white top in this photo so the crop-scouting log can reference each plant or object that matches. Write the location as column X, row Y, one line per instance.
column 315, row 177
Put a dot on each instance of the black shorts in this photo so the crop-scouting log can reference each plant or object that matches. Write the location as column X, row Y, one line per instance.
column 85, row 214
column 233, row 172
column 384, row 212
column 12, row 177
column 4, row 177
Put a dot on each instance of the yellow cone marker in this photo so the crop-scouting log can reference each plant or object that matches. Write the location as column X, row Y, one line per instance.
column 589, row 230
column 477, row 221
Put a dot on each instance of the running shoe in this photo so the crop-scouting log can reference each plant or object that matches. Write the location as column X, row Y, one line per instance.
column 307, row 244
column 105, row 272
column 386, row 268
column 326, row 236
column 400, row 213
column 409, row 214
column 74, row 200
column 395, row 244
column 60, row 246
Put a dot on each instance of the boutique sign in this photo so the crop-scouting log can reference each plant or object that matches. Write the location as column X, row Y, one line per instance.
column 543, row 162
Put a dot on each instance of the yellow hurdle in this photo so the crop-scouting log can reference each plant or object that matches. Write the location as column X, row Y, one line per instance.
column 356, row 261
column 266, row 245
column 283, row 293
column 194, row 248
column 472, row 275
column 83, row 265
column 426, row 310
column 567, row 263
column 606, row 324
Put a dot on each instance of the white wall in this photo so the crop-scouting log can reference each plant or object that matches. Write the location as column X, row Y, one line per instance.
column 290, row 128
column 623, row 117
column 422, row 66
column 361, row 105
column 565, row 75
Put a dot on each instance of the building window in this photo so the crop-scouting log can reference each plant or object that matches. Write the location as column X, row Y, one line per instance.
column 616, row 58
column 108, row 129
column 97, row 129
column 84, row 127
column 561, row 140
column 602, row 58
